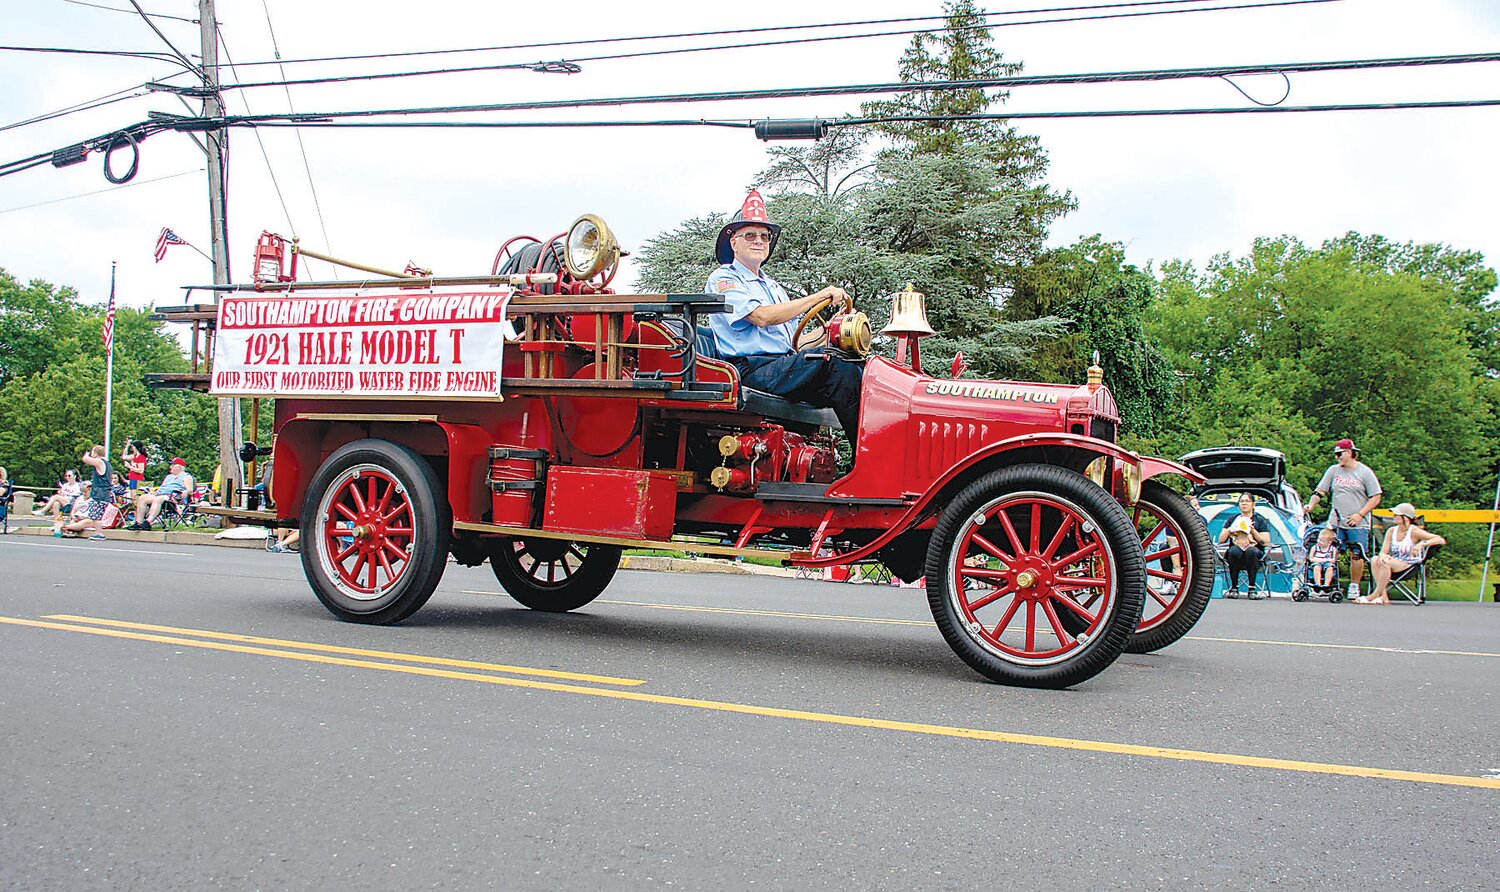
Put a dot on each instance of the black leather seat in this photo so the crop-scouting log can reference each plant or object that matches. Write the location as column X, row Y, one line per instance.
column 768, row 404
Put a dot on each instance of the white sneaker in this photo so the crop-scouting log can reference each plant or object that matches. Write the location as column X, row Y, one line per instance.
column 1353, row 591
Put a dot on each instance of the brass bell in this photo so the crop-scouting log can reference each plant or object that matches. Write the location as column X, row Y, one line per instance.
column 908, row 314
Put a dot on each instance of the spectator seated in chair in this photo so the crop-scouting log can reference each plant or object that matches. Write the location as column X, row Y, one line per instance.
column 1249, row 536
column 175, row 488
column 1405, row 546
column 62, row 501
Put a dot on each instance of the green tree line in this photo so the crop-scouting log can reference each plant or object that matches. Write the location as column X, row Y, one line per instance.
column 52, row 369
column 1290, row 346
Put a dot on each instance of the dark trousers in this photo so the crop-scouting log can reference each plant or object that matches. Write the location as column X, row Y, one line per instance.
column 811, row 377
column 1246, row 560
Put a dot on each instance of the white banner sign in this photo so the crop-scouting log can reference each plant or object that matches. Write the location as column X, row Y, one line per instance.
column 410, row 344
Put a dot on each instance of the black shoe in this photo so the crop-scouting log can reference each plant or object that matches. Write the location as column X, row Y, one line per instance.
column 1256, row 594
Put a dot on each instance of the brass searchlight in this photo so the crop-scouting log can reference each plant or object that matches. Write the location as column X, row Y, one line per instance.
column 590, row 248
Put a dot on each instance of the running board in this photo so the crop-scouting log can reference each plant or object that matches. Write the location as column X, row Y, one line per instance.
column 687, row 546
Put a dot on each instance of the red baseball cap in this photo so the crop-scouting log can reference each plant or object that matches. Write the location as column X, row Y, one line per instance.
column 178, row 461
column 1344, row 444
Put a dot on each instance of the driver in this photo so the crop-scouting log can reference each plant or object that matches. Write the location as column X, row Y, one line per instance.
column 756, row 334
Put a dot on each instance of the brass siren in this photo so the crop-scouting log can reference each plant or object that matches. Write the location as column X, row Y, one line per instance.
column 908, row 314
column 1096, row 374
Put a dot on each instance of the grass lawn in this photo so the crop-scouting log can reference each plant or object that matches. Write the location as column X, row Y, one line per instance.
column 1463, row 588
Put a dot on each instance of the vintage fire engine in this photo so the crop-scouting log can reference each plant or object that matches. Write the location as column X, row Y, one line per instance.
column 536, row 419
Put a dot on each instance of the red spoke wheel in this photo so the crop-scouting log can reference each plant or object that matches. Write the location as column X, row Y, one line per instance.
column 1018, row 551
column 553, row 575
column 1179, row 567
column 375, row 532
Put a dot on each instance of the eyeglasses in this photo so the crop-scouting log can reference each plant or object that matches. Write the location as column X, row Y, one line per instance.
column 753, row 237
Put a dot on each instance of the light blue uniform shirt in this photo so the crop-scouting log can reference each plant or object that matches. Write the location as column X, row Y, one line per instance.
column 743, row 291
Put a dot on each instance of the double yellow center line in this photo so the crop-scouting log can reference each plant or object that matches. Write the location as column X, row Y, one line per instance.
column 618, row 689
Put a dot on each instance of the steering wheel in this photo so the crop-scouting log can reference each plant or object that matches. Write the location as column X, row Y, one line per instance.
column 821, row 313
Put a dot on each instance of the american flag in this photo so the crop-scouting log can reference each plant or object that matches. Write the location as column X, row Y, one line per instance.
column 167, row 239
column 109, row 316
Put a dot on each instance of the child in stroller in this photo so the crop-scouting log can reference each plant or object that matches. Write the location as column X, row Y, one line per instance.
column 1322, row 566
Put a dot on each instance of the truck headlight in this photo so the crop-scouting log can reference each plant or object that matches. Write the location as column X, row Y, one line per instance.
column 1130, row 482
column 590, row 248
column 1096, row 471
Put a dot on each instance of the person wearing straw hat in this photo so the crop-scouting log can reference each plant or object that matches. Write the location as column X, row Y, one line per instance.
column 755, row 335
column 1405, row 544
column 1355, row 492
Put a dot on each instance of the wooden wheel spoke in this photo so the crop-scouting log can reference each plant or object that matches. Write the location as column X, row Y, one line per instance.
column 992, row 549
column 1057, row 538
column 1075, row 557
column 1010, row 531
column 1173, row 576
column 359, row 501
column 1005, row 618
column 1157, row 597
column 1075, row 607
column 385, row 499
column 343, row 509
column 1151, row 536
column 346, row 551
column 399, row 531
column 1036, row 527
column 991, row 597
column 1081, row 581
column 403, row 508
column 1153, row 557
column 359, row 564
column 1031, row 626
column 385, row 564
column 1063, row 637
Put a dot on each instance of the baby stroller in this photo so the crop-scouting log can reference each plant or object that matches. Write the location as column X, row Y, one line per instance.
column 1333, row 592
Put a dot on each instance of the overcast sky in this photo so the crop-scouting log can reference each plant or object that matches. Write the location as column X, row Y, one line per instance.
column 1167, row 188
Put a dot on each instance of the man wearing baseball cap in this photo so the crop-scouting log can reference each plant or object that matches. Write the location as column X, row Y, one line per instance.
column 755, row 336
column 1355, row 493
column 174, row 488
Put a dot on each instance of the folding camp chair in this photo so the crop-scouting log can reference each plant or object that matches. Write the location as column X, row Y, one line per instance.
column 1411, row 583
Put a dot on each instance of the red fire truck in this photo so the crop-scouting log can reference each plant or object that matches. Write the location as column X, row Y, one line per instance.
column 536, row 419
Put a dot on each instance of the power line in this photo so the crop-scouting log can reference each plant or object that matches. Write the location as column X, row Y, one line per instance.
column 275, row 183
column 161, row 122
column 301, row 146
column 715, row 33
column 544, row 66
column 76, row 51
column 175, row 51
column 154, row 15
column 857, row 122
column 98, row 191
column 86, row 105
column 1009, row 82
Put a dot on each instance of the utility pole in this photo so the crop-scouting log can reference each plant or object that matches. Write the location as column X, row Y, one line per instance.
column 217, row 146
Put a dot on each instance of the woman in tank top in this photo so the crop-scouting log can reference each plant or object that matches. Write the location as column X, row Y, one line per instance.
column 1404, row 547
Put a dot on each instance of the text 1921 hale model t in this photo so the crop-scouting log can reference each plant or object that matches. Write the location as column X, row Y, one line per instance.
column 536, row 419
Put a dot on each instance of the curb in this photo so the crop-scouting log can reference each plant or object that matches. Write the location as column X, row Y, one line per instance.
column 166, row 537
column 646, row 563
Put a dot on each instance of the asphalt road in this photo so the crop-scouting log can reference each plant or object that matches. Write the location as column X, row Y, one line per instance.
column 710, row 731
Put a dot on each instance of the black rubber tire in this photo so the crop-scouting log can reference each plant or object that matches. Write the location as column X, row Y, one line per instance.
column 1198, row 552
column 1123, row 552
column 596, row 567
column 431, row 527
